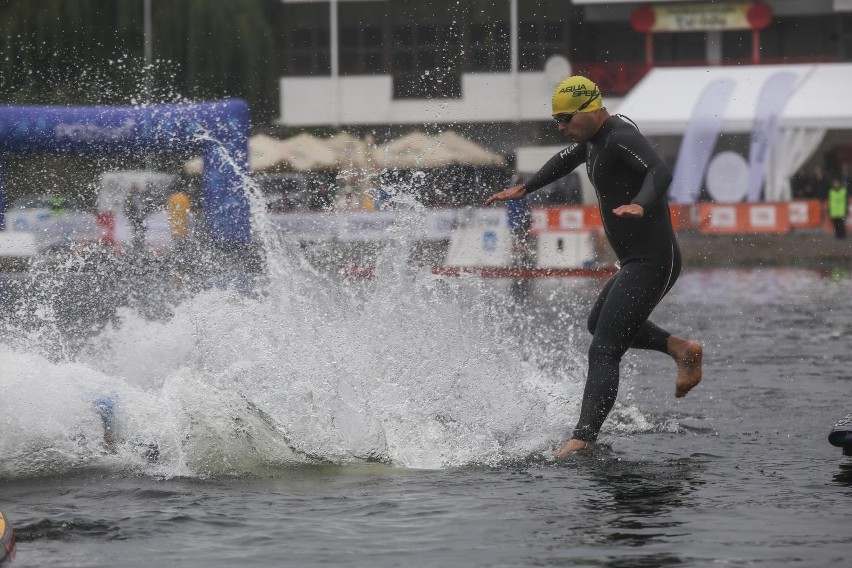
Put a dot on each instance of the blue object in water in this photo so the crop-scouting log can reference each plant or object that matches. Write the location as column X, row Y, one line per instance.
column 106, row 409
column 841, row 435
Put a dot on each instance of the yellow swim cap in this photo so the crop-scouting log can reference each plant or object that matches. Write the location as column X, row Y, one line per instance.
column 576, row 94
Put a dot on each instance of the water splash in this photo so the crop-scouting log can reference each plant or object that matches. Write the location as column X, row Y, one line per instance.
column 205, row 378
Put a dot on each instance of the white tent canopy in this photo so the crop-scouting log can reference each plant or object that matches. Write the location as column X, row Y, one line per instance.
column 663, row 101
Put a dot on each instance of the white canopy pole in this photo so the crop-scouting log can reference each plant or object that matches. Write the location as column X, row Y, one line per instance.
column 513, row 42
column 335, row 60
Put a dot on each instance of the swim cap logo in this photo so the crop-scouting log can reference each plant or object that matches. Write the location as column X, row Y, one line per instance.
column 579, row 91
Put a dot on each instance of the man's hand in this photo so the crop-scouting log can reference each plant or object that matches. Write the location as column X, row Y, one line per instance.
column 632, row 210
column 516, row 192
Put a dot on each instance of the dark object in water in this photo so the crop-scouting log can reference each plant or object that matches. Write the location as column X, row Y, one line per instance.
column 7, row 541
column 105, row 406
column 841, row 435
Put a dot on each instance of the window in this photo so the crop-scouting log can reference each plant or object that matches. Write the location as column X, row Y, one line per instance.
column 537, row 41
column 306, row 39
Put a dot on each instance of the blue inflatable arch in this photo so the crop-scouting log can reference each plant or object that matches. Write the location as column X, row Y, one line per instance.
column 218, row 130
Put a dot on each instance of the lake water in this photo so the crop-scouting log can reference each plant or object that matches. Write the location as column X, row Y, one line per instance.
column 408, row 421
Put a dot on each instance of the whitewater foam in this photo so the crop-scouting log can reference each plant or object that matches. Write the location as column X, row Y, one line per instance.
column 405, row 368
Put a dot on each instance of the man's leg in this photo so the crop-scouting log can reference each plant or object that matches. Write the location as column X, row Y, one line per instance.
column 686, row 353
column 620, row 312
column 619, row 320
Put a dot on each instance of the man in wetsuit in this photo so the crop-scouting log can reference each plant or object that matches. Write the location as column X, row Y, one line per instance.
column 631, row 183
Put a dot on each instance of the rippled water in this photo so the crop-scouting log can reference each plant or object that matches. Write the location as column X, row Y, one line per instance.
column 408, row 421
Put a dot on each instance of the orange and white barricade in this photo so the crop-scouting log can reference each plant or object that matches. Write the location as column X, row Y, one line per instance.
column 568, row 218
column 683, row 217
column 739, row 218
column 706, row 218
column 805, row 214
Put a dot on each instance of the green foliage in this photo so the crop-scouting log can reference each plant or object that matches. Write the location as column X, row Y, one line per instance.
column 91, row 52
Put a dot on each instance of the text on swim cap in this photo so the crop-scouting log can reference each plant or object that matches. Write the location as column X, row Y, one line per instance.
column 579, row 91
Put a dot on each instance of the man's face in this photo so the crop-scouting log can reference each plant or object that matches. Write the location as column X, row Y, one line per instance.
column 579, row 129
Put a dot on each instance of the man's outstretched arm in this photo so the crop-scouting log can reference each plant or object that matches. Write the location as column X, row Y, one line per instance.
column 516, row 192
column 556, row 167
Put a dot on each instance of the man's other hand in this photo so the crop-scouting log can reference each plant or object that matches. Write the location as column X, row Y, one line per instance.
column 632, row 210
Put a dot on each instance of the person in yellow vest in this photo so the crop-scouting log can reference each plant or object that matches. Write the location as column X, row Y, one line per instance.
column 838, row 205
column 177, row 210
column 58, row 205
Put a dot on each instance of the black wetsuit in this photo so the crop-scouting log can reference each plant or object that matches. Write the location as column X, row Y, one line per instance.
column 624, row 169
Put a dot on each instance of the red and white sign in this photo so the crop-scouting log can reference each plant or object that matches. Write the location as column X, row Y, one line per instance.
column 743, row 218
column 573, row 218
column 763, row 216
column 723, row 217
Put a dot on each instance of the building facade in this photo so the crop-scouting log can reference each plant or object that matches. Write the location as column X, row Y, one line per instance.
column 488, row 66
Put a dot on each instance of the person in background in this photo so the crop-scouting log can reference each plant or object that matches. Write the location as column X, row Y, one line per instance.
column 838, row 205
column 631, row 182
column 58, row 205
column 519, row 217
column 137, row 208
column 347, row 200
column 320, row 198
column 382, row 199
column 801, row 185
column 177, row 210
column 820, row 185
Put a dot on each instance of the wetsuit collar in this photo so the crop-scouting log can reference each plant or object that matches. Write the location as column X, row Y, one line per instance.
column 604, row 130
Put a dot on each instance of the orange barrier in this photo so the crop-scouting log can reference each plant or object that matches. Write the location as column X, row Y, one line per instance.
column 585, row 217
column 733, row 218
column 683, row 218
column 806, row 214
column 570, row 218
column 706, row 218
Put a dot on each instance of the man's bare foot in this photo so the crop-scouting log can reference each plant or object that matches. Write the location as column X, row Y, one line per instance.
column 573, row 447
column 688, row 355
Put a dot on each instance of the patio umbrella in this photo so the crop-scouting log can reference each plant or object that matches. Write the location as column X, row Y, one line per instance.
column 417, row 150
column 412, row 151
column 305, row 152
column 350, row 152
column 299, row 153
column 468, row 152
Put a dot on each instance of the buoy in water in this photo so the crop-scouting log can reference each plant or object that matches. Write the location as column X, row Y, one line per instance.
column 841, row 435
column 7, row 541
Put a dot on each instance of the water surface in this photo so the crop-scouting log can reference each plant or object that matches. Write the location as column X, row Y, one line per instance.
column 408, row 421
